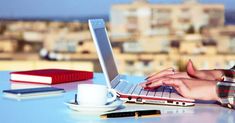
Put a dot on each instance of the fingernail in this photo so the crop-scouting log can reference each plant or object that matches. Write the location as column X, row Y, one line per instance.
column 147, row 88
column 147, row 84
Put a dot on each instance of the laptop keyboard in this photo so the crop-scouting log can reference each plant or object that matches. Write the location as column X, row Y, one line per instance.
column 137, row 90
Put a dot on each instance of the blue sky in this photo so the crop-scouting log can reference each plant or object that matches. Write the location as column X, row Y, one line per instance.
column 74, row 8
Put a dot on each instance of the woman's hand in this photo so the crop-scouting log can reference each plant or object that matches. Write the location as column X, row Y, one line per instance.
column 189, row 88
column 170, row 72
column 191, row 72
column 214, row 75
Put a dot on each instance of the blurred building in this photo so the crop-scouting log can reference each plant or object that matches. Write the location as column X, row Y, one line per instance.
column 159, row 36
column 144, row 19
column 145, row 38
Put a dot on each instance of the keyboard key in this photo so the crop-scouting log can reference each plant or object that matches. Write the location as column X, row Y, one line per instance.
column 175, row 95
column 137, row 90
column 143, row 92
column 151, row 93
column 132, row 89
column 127, row 88
column 114, row 84
column 159, row 91
column 120, row 86
column 166, row 92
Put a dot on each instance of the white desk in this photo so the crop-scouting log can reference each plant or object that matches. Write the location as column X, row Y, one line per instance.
column 53, row 109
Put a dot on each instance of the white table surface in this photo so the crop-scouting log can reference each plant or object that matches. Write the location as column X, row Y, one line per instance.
column 53, row 109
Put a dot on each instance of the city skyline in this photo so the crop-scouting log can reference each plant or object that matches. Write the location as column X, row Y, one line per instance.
column 75, row 8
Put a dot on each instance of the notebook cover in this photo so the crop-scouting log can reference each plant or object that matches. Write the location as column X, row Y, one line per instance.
column 58, row 75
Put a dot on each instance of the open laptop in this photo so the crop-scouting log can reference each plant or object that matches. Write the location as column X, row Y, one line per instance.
column 129, row 91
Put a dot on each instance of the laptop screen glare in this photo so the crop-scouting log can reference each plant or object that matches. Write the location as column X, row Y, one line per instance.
column 106, row 53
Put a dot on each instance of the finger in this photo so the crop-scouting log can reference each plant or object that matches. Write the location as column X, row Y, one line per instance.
column 156, row 83
column 194, row 73
column 144, row 84
column 159, row 73
column 172, row 82
column 162, row 74
column 191, row 68
column 178, row 85
column 175, row 76
column 179, row 75
column 148, row 82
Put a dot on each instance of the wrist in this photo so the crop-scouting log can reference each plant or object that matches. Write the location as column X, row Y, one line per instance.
column 219, row 74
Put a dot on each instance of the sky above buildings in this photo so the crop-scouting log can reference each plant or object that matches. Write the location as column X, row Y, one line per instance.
column 75, row 8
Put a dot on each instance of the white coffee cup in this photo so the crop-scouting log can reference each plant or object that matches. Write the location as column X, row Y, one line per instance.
column 94, row 95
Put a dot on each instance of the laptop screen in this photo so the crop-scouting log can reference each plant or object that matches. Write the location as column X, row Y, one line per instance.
column 106, row 53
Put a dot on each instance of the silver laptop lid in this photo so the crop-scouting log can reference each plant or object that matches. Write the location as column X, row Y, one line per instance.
column 104, row 50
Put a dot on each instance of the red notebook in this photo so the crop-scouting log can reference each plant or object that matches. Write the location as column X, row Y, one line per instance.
column 50, row 76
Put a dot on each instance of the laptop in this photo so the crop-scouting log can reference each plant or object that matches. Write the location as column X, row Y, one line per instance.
column 127, row 90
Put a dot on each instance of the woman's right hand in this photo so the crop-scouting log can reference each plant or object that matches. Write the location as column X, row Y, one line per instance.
column 189, row 88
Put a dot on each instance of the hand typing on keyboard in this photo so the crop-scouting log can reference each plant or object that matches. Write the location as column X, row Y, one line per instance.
column 193, row 83
column 191, row 72
column 189, row 88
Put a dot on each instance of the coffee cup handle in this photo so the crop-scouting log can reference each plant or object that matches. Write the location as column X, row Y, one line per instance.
column 114, row 95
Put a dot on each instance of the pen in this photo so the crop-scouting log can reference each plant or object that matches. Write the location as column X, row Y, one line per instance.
column 136, row 114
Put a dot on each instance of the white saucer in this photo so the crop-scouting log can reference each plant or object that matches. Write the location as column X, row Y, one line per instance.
column 84, row 108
